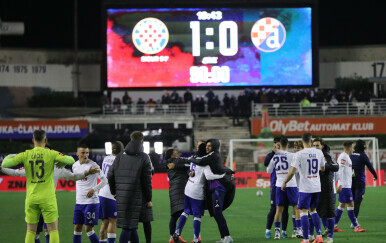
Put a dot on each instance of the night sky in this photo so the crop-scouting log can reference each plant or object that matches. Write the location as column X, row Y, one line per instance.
column 49, row 24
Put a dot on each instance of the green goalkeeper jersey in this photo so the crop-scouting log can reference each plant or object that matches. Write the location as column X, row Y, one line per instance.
column 39, row 165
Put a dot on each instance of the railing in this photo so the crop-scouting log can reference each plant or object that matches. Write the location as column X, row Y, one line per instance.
column 320, row 109
column 147, row 109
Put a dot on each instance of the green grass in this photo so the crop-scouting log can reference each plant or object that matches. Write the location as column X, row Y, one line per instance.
column 246, row 219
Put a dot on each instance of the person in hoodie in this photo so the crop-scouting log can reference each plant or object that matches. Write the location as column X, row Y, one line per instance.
column 359, row 161
column 326, row 206
column 177, row 169
column 130, row 181
column 222, row 191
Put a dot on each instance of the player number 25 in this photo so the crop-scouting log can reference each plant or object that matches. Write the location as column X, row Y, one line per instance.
column 284, row 163
column 38, row 164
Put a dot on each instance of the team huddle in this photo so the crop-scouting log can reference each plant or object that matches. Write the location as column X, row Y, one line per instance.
column 306, row 180
column 125, row 190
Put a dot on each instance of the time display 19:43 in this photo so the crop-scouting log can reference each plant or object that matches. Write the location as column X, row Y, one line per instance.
column 227, row 46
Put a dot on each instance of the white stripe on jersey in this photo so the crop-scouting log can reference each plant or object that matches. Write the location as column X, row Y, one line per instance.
column 107, row 163
column 308, row 163
column 282, row 161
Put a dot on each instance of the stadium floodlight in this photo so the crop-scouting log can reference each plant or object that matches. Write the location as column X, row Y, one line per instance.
column 159, row 147
column 108, row 148
column 146, row 147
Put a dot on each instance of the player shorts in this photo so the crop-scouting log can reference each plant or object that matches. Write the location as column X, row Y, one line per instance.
column 289, row 196
column 86, row 214
column 48, row 209
column 107, row 208
column 308, row 200
column 345, row 196
column 193, row 207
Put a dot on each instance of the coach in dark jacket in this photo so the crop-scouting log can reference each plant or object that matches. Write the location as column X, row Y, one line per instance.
column 130, row 180
column 177, row 169
column 326, row 206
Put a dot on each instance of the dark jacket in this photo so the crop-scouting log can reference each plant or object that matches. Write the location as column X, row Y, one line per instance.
column 130, row 180
column 359, row 160
column 146, row 213
column 177, row 181
column 326, row 206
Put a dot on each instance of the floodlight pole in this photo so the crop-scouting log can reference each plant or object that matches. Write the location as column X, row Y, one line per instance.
column 75, row 68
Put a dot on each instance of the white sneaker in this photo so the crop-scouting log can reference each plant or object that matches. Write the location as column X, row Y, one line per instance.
column 227, row 239
column 329, row 240
column 311, row 238
column 277, row 235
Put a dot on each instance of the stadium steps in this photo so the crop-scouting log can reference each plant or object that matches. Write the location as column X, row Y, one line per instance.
column 220, row 128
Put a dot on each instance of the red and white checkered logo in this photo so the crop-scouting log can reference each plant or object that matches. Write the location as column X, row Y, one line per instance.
column 150, row 35
column 268, row 34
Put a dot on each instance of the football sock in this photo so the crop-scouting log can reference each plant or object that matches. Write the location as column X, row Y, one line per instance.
column 30, row 237
column 181, row 223
column 147, row 230
column 37, row 238
column 330, row 226
column 92, row 237
column 197, row 228
column 316, row 220
column 324, row 221
column 284, row 218
column 351, row 215
column 311, row 227
column 277, row 226
column 294, row 222
column 111, row 237
column 47, row 235
column 305, row 225
column 339, row 212
column 298, row 224
column 54, row 236
column 77, row 237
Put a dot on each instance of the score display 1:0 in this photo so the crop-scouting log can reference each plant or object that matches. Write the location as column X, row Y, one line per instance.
column 223, row 38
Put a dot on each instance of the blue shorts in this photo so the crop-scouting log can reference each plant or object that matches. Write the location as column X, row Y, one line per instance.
column 86, row 214
column 193, row 207
column 308, row 200
column 107, row 208
column 345, row 196
column 289, row 196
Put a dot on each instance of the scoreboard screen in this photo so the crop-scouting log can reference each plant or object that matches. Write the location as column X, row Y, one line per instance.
column 190, row 47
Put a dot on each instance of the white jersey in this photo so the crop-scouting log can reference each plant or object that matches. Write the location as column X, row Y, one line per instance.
column 345, row 170
column 281, row 162
column 107, row 163
column 89, row 182
column 195, row 186
column 59, row 173
column 308, row 162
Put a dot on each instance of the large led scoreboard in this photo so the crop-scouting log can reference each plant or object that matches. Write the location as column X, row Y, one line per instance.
column 191, row 47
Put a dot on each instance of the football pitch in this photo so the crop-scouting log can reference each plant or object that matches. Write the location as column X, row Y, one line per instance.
column 246, row 219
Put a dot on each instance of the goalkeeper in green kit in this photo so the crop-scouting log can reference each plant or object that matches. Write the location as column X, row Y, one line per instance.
column 39, row 165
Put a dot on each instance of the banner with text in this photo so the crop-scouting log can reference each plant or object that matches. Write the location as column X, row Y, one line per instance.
column 53, row 128
column 323, row 126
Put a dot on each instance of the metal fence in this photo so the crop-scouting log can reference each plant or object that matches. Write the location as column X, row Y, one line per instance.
column 148, row 109
column 374, row 107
